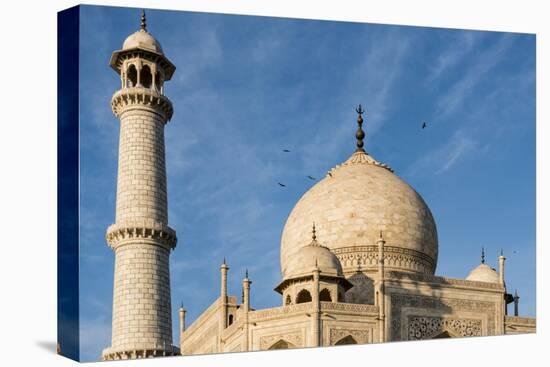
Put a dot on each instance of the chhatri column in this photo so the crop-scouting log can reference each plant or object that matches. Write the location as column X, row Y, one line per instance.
column 140, row 237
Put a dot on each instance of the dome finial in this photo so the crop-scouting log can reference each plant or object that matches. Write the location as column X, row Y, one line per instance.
column 360, row 134
column 313, row 233
column 143, row 21
column 483, row 255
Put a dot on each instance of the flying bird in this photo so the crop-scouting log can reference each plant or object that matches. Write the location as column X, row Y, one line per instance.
column 424, row 125
column 280, row 184
column 311, row 178
column 286, row 150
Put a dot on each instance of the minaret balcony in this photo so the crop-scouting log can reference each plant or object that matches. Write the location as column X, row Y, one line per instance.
column 140, row 97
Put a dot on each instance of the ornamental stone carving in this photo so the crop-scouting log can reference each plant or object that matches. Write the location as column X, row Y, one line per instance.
column 421, row 327
column 294, row 338
column 360, row 336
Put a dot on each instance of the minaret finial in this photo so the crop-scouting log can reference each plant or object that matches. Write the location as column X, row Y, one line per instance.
column 246, row 274
column 224, row 263
column 313, row 233
column 143, row 20
column 483, row 255
column 360, row 134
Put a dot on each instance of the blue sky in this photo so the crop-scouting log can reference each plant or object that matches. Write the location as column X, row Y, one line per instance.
column 247, row 87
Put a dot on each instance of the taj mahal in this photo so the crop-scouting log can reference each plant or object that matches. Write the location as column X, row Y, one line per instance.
column 358, row 252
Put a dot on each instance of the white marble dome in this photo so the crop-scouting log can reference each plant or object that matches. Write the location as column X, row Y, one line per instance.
column 484, row 273
column 350, row 206
column 142, row 40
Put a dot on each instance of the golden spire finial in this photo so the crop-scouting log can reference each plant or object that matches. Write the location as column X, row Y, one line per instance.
column 360, row 134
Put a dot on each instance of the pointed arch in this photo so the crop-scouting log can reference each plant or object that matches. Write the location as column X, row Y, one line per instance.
column 303, row 296
column 146, row 77
column 282, row 344
column 346, row 341
column 131, row 76
column 324, row 295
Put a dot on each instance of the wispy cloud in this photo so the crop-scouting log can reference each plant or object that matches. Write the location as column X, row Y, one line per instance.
column 445, row 156
column 459, row 48
column 463, row 88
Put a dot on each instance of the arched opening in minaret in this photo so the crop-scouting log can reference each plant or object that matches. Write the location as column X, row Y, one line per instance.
column 131, row 76
column 282, row 344
column 230, row 321
column 158, row 82
column 324, row 295
column 288, row 300
column 146, row 77
column 346, row 341
column 303, row 296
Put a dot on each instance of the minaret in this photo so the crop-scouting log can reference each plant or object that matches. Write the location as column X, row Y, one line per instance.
column 140, row 237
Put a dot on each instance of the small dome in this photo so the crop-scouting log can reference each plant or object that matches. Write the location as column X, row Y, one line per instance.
column 142, row 40
column 305, row 260
column 484, row 273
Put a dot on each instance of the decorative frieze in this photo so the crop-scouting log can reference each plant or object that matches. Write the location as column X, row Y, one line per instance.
column 399, row 257
column 349, row 308
column 279, row 311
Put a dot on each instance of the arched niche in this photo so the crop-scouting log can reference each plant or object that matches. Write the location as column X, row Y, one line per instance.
column 325, row 296
column 346, row 340
column 282, row 344
column 131, row 76
column 146, row 77
column 303, row 296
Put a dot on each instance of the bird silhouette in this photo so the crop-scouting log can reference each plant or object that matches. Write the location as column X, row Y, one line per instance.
column 424, row 125
column 280, row 184
column 286, row 150
column 311, row 178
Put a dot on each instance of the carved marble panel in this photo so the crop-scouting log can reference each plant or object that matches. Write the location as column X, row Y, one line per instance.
column 422, row 327
column 440, row 306
column 360, row 336
column 294, row 338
